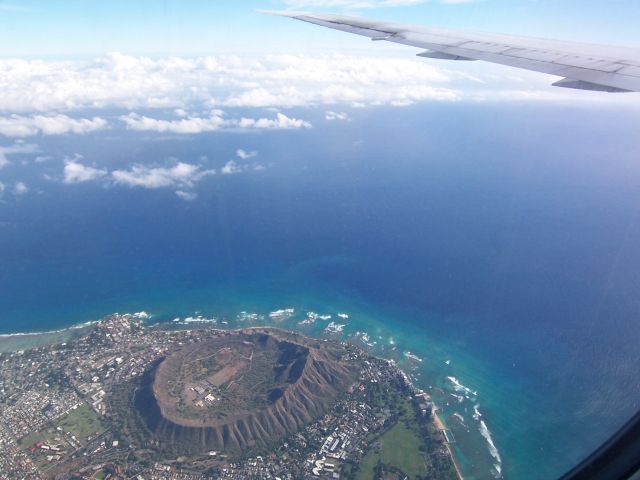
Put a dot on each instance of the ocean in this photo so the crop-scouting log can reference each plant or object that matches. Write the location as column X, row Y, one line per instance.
column 493, row 250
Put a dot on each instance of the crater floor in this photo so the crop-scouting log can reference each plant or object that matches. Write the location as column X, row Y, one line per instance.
column 242, row 388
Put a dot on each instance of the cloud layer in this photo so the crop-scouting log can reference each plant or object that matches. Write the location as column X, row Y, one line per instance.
column 127, row 82
column 182, row 174
column 18, row 126
column 17, row 148
column 178, row 175
column 39, row 96
column 26, row 126
column 211, row 123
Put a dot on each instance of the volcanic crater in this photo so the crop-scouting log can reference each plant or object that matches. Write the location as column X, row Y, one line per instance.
column 241, row 389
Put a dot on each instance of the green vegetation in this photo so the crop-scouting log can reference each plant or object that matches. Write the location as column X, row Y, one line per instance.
column 397, row 449
column 82, row 423
column 400, row 448
column 367, row 467
column 409, row 447
column 32, row 438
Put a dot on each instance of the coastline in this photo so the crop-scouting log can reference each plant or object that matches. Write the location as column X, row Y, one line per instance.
column 437, row 421
column 13, row 342
column 441, row 427
column 22, row 341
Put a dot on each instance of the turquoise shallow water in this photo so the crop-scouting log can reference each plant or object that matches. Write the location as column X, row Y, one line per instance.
column 428, row 361
column 471, row 394
column 493, row 243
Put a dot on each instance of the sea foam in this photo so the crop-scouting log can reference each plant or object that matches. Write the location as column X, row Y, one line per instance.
column 282, row 314
column 412, row 356
column 459, row 387
column 249, row 317
column 334, row 327
column 48, row 332
column 493, row 450
column 460, row 418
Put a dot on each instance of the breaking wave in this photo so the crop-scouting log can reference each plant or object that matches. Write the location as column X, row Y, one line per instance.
column 486, row 433
column 476, row 412
column 312, row 317
column 334, row 327
column 198, row 319
column 282, row 314
column 493, row 450
column 48, row 332
column 459, row 387
column 249, row 317
column 412, row 356
column 460, row 418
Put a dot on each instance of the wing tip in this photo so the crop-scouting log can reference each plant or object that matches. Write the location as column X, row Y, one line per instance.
column 584, row 85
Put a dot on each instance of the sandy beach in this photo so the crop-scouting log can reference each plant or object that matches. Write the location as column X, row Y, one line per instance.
column 440, row 426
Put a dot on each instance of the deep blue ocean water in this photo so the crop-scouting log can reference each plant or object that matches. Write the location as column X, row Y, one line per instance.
column 502, row 239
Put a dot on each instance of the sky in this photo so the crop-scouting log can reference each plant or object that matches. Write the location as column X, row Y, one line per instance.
column 75, row 69
column 132, row 102
column 81, row 27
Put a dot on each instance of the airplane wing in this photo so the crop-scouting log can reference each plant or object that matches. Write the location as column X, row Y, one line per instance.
column 582, row 65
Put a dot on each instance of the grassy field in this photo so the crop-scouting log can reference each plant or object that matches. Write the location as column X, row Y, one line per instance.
column 398, row 447
column 367, row 466
column 82, row 422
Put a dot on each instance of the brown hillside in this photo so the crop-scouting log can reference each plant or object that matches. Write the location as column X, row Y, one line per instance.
column 241, row 389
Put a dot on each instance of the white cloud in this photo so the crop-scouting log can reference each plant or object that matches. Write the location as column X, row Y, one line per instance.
column 336, row 116
column 186, row 196
column 26, row 126
column 302, row 80
column 212, row 123
column 76, row 172
column 245, row 155
column 185, row 84
column 180, row 176
column 183, row 125
column 18, row 148
column 281, row 122
column 230, row 168
column 183, row 175
column 20, row 188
